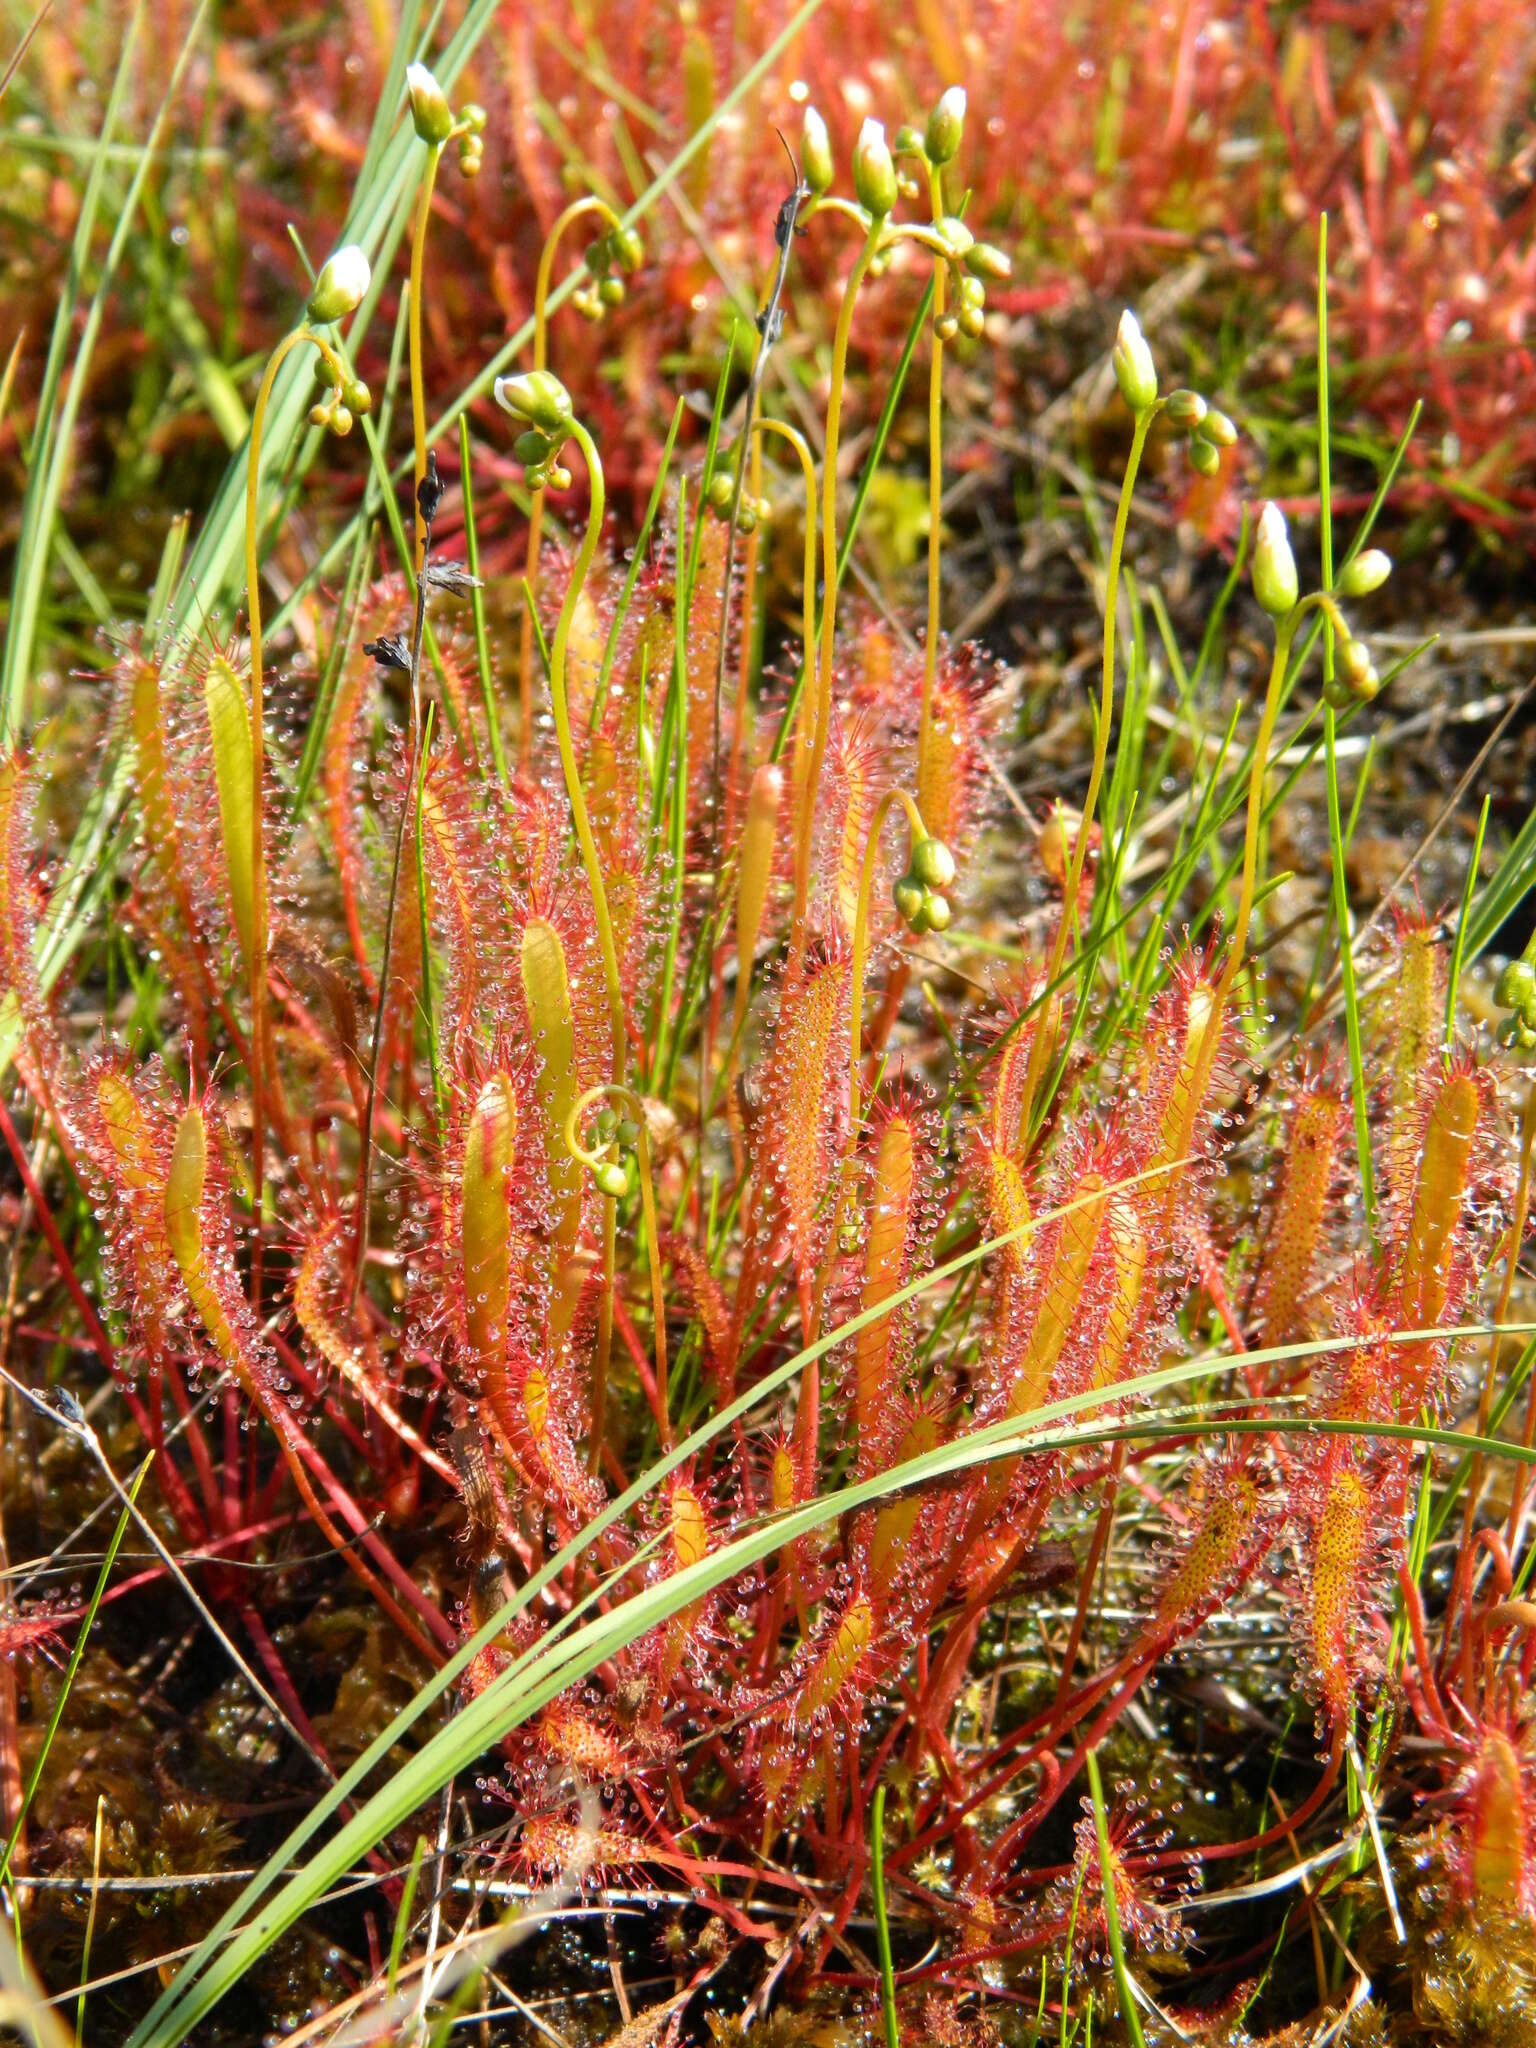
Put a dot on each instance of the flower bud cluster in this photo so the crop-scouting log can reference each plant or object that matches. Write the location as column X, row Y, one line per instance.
column 347, row 397
column 879, row 181
column 750, row 513
column 1515, row 991
column 1209, row 431
column 542, row 403
column 1277, row 587
column 607, row 260
column 919, row 896
column 615, row 1133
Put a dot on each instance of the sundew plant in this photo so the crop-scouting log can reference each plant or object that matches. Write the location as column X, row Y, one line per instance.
column 751, row 1446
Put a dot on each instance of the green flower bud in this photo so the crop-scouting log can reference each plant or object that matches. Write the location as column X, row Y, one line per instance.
column 986, row 261
column 1203, row 456
column 936, row 912
column 972, row 322
column 946, row 126
column 1515, row 988
column 320, row 414
column 471, row 156
column 473, row 115
column 815, row 152
column 587, row 304
column 1185, row 408
column 1135, row 371
column 611, row 291
column 429, row 105
column 907, row 141
column 358, row 396
column 946, row 325
column 874, row 171
column 1218, row 430
column 1338, row 692
column 1274, row 566
column 559, row 477
column 970, row 291
column 1355, row 663
column 722, row 490
column 341, row 420
column 746, row 516
column 955, row 235
column 612, row 1181
column 628, row 249
column 341, row 286
column 1367, row 572
column 909, row 895
column 532, row 446
column 538, row 397
column 932, row 863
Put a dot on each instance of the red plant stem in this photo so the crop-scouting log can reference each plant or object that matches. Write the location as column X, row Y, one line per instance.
column 282, row 1685
column 168, row 1479
column 647, row 1379
column 1428, row 1705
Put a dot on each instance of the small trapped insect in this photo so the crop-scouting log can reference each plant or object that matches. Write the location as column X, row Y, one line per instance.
column 786, row 225
column 389, row 651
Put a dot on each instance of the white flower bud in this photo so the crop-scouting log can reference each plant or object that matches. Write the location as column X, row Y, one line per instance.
column 1274, row 566
column 341, row 286
column 429, row 105
column 946, row 124
column 874, row 170
column 1367, row 572
column 815, row 152
column 1135, row 371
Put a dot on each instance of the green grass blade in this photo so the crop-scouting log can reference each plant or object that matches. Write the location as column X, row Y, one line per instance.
column 882, row 1921
column 1123, row 1983
column 50, row 434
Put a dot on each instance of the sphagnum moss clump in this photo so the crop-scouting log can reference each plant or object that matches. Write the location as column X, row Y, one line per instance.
column 561, row 1140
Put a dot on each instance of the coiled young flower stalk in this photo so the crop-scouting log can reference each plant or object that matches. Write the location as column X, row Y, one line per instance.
column 617, row 251
column 541, row 401
column 622, row 1135
column 338, row 291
